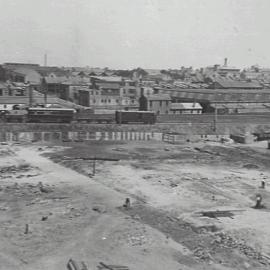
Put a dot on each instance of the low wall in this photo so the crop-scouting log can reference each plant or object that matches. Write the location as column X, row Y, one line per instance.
column 79, row 136
column 182, row 138
column 198, row 128
column 160, row 128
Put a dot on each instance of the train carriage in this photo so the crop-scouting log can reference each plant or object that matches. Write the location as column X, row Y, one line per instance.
column 128, row 117
column 50, row 115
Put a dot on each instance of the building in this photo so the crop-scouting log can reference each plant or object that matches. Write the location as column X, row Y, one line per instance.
column 222, row 98
column 186, row 108
column 131, row 90
column 223, row 71
column 224, row 83
column 55, row 86
column 160, row 103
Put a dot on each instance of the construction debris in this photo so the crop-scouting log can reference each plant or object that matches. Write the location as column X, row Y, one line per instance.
column 43, row 188
column 218, row 213
column 227, row 241
column 73, row 265
column 103, row 266
column 99, row 208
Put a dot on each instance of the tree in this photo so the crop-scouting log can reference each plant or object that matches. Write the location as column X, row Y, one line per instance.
column 140, row 72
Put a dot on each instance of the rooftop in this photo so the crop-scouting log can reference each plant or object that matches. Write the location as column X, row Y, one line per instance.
column 219, row 95
column 227, row 83
column 186, row 105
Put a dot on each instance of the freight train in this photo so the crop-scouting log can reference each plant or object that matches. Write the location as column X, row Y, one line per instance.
column 63, row 115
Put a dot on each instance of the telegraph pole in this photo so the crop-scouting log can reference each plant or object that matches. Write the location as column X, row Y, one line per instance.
column 94, row 166
column 215, row 118
column 30, row 92
column 45, row 90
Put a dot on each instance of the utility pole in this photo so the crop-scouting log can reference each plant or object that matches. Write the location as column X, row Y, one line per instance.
column 215, row 118
column 94, row 166
column 45, row 90
column 30, row 93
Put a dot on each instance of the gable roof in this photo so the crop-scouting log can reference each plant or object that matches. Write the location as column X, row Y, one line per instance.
column 107, row 78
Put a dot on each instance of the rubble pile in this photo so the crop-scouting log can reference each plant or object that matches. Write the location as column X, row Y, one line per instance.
column 135, row 236
column 5, row 152
column 136, row 239
column 15, row 169
column 203, row 254
column 24, row 189
column 227, row 241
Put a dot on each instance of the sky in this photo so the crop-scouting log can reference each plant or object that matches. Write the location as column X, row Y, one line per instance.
column 126, row 34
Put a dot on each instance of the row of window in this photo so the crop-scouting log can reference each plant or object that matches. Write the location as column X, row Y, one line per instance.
column 186, row 112
column 160, row 103
column 17, row 93
column 109, row 101
column 130, row 91
column 94, row 92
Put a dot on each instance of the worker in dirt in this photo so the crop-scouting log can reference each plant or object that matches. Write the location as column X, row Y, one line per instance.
column 127, row 203
column 258, row 201
column 263, row 184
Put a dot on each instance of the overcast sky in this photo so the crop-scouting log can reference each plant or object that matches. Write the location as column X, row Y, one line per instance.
column 136, row 33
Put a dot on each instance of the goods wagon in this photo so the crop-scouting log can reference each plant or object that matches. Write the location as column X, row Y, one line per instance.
column 126, row 117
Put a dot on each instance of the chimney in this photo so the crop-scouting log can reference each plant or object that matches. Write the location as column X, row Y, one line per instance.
column 225, row 62
column 142, row 91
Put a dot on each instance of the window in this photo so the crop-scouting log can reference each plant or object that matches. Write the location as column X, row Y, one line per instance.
column 109, row 100
column 19, row 92
column 160, row 103
column 117, row 101
column 167, row 103
column 1, row 92
column 5, row 106
column 124, row 91
column 151, row 103
column 102, row 101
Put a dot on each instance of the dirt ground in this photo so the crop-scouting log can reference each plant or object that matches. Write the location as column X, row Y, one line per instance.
column 55, row 205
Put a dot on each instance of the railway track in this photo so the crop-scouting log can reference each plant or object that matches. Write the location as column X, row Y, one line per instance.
column 181, row 119
column 210, row 118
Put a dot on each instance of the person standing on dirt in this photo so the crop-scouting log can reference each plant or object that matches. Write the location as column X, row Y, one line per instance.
column 258, row 201
column 127, row 203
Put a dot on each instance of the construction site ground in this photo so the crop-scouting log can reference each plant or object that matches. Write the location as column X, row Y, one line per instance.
column 54, row 205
